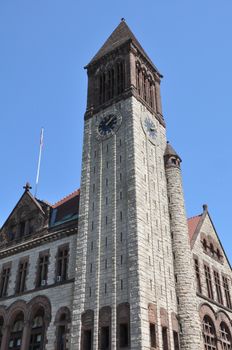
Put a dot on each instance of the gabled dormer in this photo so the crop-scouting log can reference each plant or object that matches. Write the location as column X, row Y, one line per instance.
column 204, row 237
column 29, row 217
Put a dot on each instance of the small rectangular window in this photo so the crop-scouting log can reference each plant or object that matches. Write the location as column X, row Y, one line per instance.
column 198, row 277
column 87, row 340
column 62, row 263
column 123, row 335
column 21, row 276
column 152, row 335
column 105, row 338
column 165, row 338
column 208, row 281
column 227, row 292
column 218, row 287
column 42, row 272
column 176, row 340
column 5, row 276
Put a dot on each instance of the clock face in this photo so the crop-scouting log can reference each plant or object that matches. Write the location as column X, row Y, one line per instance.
column 108, row 125
column 149, row 128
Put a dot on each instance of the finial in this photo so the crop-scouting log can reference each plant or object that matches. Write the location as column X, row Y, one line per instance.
column 205, row 207
column 123, row 19
column 27, row 187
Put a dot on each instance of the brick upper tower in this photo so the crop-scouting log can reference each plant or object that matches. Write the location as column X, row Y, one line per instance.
column 113, row 74
column 125, row 290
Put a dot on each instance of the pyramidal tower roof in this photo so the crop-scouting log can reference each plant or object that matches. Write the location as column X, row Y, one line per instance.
column 169, row 151
column 120, row 35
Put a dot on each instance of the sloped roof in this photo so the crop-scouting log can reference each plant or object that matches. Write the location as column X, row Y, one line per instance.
column 169, row 151
column 66, row 198
column 120, row 36
column 66, row 209
column 192, row 225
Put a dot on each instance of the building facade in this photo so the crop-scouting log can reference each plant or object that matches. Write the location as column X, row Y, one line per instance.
column 116, row 265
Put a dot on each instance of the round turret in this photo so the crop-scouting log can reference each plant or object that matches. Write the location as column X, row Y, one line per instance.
column 171, row 158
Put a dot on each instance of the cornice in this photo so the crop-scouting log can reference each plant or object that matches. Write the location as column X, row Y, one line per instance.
column 36, row 241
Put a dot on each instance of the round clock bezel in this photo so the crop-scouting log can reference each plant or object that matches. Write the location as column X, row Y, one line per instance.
column 114, row 130
column 146, row 132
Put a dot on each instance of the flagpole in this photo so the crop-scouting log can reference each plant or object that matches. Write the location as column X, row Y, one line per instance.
column 39, row 160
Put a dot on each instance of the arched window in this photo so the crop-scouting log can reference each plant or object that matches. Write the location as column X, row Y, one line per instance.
column 204, row 244
column 120, row 77
column 87, row 330
column 209, row 334
column 62, row 328
column 212, row 249
column 144, row 86
column 225, row 336
column 151, row 97
column 16, row 332
column 102, row 88
column 110, row 87
column 37, row 331
column 138, row 74
column 218, row 254
column 123, row 325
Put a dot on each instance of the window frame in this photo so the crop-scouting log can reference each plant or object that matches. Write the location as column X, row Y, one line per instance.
column 20, row 285
column 64, row 261
column 5, row 279
column 40, row 276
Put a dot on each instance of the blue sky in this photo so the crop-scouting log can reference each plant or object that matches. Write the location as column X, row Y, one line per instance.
column 45, row 45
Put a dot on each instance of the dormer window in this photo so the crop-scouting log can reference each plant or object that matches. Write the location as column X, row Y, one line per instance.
column 218, row 254
column 30, row 227
column 211, row 249
column 22, row 228
column 204, row 244
column 11, row 233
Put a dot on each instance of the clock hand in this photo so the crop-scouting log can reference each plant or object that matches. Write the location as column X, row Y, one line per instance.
column 109, row 121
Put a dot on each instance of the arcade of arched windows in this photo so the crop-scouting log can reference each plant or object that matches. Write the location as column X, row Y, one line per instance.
column 145, row 85
column 111, row 81
column 216, row 329
column 23, row 326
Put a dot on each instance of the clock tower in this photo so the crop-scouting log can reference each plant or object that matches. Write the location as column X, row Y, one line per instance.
column 125, row 288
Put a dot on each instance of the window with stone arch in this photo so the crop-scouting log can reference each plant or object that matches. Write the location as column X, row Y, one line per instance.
column 37, row 331
column 209, row 333
column 225, row 336
column 62, row 322
column 39, row 317
column 16, row 332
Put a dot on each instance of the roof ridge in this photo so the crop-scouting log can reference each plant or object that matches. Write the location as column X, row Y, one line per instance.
column 195, row 216
column 66, row 198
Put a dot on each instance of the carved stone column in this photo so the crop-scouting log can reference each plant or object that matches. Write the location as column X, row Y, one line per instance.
column 26, row 336
column 5, row 337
